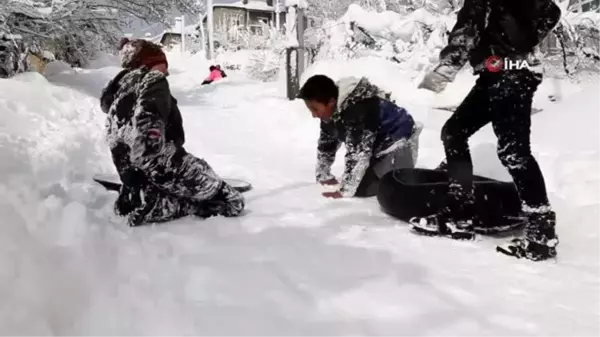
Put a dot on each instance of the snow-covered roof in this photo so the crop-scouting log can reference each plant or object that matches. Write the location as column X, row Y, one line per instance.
column 299, row 3
column 26, row 10
column 11, row 36
column 155, row 38
column 252, row 5
column 189, row 30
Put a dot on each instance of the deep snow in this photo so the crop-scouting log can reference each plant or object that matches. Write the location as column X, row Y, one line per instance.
column 296, row 263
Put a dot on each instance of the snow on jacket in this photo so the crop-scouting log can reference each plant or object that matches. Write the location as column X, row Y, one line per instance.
column 497, row 27
column 214, row 75
column 368, row 123
column 145, row 136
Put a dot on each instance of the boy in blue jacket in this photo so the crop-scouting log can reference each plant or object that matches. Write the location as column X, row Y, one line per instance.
column 379, row 135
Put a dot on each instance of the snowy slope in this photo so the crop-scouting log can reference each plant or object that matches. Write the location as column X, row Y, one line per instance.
column 296, row 263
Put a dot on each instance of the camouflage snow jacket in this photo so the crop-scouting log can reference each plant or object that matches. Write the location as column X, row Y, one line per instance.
column 145, row 136
column 368, row 123
column 504, row 28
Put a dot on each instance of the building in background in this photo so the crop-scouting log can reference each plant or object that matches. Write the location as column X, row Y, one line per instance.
column 253, row 16
column 171, row 36
column 580, row 6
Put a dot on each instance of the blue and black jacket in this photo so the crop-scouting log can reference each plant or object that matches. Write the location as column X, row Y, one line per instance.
column 368, row 122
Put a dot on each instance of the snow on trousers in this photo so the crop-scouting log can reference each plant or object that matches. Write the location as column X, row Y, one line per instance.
column 402, row 157
column 174, row 191
column 505, row 100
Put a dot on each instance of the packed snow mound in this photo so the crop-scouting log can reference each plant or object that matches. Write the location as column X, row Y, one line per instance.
column 103, row 59
column 87, row 81
column 392, row 25
column 42, row 127
column 58, row 67
column 51, row 142
column 412, row 40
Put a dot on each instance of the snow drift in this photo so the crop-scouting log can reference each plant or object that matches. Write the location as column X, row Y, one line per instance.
column 51, row 142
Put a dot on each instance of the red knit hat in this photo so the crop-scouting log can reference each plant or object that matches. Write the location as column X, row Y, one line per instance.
column 138, row 53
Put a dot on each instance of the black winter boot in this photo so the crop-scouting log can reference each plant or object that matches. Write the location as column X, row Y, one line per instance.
column 540, row 239
column 457, row 220
column 441, row 225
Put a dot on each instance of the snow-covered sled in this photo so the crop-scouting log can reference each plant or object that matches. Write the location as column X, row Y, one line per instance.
column 452, row 108
column 113, row 183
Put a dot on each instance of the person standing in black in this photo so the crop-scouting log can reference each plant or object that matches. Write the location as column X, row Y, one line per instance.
column 503, row 30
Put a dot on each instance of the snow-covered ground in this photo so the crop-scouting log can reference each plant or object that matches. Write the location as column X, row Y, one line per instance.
column 296, row 263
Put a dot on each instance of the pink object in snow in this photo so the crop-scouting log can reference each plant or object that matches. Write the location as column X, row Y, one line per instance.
column 214, row 75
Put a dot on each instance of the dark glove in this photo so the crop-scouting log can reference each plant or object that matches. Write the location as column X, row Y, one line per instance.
column 127, row 201
column 133, row 180
column 134, row 177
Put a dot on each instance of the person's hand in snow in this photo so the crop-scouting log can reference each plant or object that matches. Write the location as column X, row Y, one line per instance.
column 331, row 181
column 437, row 79
column 334, row 195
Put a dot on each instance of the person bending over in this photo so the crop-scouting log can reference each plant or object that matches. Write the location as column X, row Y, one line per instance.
column 379, row 135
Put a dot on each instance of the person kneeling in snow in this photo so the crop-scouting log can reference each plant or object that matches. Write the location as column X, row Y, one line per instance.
column 161, row 181
column 379, row 135
column 223, row 74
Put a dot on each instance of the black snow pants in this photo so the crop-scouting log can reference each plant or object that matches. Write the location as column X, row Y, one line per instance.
column 505, row 100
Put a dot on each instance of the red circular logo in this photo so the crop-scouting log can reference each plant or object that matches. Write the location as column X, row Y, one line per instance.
column 494, row 64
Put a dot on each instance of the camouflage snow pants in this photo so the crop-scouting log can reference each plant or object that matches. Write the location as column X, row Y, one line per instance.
column 184, row 185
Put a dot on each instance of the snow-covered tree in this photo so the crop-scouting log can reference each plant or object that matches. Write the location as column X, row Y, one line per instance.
column 412, row 32
column 75, row 29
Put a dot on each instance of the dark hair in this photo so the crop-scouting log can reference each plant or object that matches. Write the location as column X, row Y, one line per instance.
column 319, row 88
column 123, row 42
